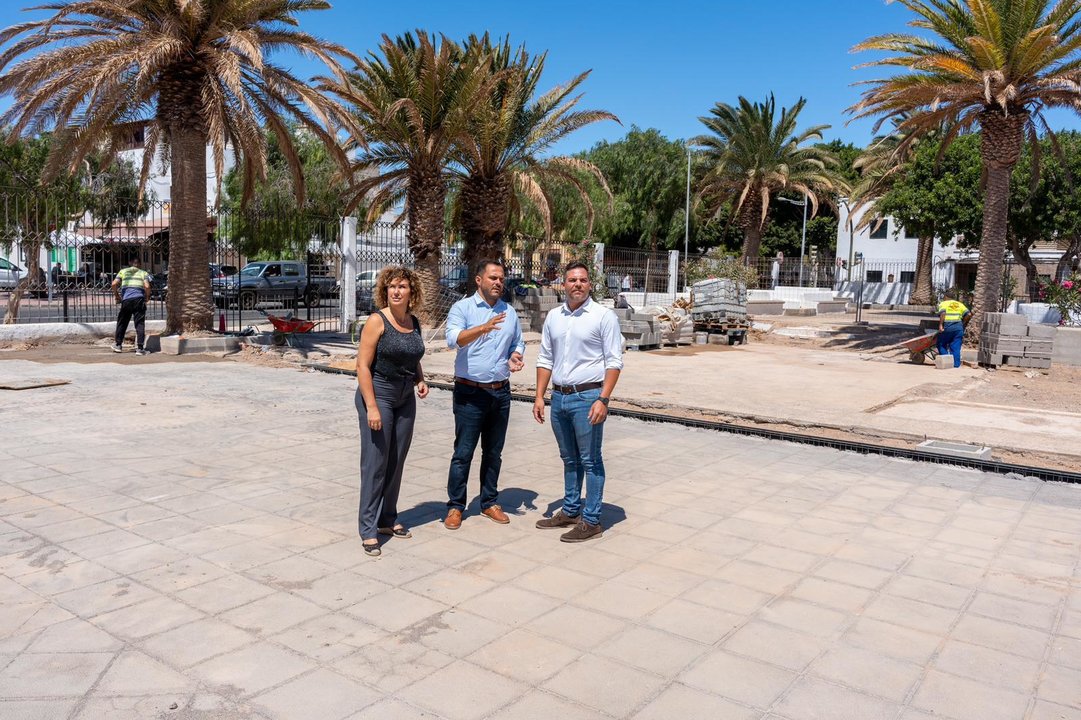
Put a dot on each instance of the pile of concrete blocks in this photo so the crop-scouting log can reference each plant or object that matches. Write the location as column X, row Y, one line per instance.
column 719, row 299
column 1009, row 339
column 641, row 331
column 533, row 307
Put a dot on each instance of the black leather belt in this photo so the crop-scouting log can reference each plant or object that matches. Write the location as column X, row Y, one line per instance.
column 571, row 389
column 484, row 386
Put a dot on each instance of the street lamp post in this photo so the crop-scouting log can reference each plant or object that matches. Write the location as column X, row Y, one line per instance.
column 687, row 214
column 803, row 233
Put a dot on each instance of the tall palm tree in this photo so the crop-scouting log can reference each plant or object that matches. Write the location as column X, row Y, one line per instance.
column 751, row 156
column 991, row 64
column 412, row 104
column 499, row 162
column 198, row 71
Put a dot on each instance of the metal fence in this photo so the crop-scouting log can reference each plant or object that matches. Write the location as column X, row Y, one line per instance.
column 814, row 272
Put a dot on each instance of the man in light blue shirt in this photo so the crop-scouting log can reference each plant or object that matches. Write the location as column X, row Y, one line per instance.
column 488, row 337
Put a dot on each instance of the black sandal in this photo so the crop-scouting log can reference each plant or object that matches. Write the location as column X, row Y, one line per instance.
column 398, row 532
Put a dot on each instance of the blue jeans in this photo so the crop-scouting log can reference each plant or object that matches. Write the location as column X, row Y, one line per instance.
column 580, row 448
column 949, row 341
column 479, row 415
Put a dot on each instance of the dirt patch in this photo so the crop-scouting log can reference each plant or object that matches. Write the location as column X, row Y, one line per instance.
column 1058, row 388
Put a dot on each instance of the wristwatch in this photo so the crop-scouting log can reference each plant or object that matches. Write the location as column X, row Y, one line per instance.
column 604, row 400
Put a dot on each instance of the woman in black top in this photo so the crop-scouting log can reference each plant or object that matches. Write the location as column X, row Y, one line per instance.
column 388, row 368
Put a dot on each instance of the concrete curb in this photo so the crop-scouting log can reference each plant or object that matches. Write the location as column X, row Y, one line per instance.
column 67, row 332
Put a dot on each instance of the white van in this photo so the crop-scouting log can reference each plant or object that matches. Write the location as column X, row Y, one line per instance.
column 9, row 274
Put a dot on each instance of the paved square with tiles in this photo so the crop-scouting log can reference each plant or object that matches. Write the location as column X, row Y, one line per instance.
column 179, row 541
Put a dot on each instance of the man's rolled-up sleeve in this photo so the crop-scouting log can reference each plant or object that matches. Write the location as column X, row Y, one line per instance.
column 544, row 357
column 455, row 325
column 612, row 340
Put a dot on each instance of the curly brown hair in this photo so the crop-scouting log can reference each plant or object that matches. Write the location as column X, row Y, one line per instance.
column 396, row 272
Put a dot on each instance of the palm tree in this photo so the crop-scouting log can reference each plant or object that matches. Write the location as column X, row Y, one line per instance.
column 991, row 64
column 499, row 162
column 197, row 71
column 412, row 105
column 750, row 157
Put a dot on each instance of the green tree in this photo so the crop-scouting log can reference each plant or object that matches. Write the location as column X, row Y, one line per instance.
column 936, row 195
column 272, row 222
column 199, row 71
column 1045, row 202
column 753, row 156
column 413, row 102
column 500, row 164
column 992, row 64
column 647, row 173
column 34, row 206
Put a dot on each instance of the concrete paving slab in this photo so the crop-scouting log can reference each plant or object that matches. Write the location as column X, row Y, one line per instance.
column 202, row 547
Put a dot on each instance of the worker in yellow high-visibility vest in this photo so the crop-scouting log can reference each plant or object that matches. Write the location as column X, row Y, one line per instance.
column 131, row 288
column 952, row 317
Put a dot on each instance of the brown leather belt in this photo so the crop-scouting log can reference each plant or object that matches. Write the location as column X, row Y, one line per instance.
column 571, row 389
column 483, row 386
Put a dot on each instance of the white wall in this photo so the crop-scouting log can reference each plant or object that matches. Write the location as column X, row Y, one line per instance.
column 161, row 178
column 895, row 247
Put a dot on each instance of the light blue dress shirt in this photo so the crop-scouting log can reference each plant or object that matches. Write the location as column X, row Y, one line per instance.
column 485, row 359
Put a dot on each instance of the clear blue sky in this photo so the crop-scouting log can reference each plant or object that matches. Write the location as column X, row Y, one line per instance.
column 654, row 65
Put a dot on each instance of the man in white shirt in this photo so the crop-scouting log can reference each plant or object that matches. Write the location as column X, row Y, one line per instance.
column 581, row 353
column 488, row 338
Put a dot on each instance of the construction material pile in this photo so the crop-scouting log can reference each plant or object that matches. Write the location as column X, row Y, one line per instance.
column 533, row 307
column 1009, row 339
column 719, row 299
column 650, row 328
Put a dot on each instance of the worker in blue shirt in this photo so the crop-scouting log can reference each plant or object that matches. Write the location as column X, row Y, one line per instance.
column 952, row 316
column 488, row 337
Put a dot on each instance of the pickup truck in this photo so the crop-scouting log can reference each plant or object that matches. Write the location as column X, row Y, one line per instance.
column 272, row 281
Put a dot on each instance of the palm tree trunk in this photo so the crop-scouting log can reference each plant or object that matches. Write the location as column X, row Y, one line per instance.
column 426, row 201
column 921, row 290
column 750, row 221
column 485, row 210
column 1000, row 148
column 188, row 307
column 32, row 252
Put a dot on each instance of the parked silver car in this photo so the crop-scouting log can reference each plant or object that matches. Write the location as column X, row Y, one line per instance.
column 9, row 274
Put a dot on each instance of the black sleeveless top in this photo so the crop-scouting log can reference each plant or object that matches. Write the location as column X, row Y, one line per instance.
column 397, row 353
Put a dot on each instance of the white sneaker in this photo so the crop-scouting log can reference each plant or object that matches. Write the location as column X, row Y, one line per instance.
column 140, row 351
column 117, row 348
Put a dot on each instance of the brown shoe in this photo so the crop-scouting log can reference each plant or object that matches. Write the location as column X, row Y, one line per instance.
column 558, row 520
column 496, row 514
column 454, row 519
column 581, row 532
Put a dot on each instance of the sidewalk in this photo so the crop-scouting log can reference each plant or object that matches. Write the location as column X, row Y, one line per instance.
column 179, row 541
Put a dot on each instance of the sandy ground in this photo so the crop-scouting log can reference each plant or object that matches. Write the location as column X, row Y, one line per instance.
column 821, row 387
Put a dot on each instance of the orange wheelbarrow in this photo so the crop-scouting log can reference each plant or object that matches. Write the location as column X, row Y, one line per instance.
column 919, row 349
column 287, row 328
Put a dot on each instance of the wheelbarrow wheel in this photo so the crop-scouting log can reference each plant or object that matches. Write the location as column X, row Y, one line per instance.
column 278, row 338
column 918, row 357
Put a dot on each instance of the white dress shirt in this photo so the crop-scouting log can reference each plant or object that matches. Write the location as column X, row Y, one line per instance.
column 578, row 347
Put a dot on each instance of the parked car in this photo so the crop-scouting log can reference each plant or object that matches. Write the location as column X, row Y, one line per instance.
column 222, row 271
column 159, row 286
column 273, row 280
column 458, row 280
column 9, row 274
column 367, row 279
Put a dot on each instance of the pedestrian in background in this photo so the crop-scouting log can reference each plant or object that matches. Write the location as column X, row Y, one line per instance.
column 388, row 372
column 488, row 338
column 581, row 353
column 131, row 287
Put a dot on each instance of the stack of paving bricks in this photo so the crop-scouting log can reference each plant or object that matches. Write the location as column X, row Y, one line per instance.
column 719, row 299
column 641, row 331
column 1009, row 339
column 533, row 307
